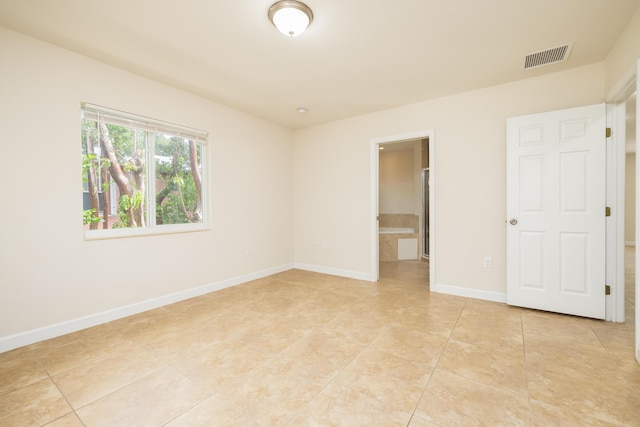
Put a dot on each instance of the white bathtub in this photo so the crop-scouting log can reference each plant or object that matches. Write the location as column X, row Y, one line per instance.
column 395, row 230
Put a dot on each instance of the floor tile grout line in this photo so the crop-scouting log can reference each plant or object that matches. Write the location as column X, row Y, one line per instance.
column 526, row 370
column 435, row 366
column 329, row 382
column 73, row 410
column 166, row 366
column 599, row 339
column 123, row 387
column 331, row 378
column 334, row 378
column 209, row 396
column 337, row 374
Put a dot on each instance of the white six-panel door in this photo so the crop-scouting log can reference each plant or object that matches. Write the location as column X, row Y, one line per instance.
column 556, row 211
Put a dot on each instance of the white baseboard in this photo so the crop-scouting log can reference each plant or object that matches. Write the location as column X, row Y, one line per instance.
column 629, row 243
column 29, row 337
column 335, row 272
column 469, row 293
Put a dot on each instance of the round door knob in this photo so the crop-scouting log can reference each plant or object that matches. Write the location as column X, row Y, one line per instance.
column 513, row 221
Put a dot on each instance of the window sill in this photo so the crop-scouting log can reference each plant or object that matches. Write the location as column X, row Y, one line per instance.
column 120, row 233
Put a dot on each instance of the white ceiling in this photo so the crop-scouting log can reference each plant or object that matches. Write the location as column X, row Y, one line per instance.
column 358, row 56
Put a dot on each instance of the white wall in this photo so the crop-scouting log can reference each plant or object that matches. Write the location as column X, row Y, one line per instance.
column 630, row 200
column 621, row 60
column 48, row 273
column 397, row 182
column 332, row 175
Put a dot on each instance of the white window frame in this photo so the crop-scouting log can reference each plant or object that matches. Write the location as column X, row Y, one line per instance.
column 121, row 118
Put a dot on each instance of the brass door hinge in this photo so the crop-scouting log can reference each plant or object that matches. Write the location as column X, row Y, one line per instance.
column 608, row 133
column 607, row 211
column 607, row 290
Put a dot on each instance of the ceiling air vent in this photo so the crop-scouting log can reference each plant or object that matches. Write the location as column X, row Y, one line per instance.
column 546, row 57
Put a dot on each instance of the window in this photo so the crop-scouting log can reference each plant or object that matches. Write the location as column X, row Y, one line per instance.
column 139, row 175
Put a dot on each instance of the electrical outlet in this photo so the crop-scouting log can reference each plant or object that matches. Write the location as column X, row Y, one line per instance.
column 247, row 250
column 488, row 262
column 325, row 245
column 314, row 245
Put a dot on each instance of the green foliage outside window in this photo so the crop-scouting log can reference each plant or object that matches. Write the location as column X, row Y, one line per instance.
column 119, row 158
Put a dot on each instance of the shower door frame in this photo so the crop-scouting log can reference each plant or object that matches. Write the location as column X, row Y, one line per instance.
column 426, row 246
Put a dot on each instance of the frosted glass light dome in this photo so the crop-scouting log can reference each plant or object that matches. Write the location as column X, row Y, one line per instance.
column 290, row 17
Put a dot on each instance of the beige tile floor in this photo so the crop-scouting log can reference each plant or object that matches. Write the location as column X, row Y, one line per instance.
column 306, row 349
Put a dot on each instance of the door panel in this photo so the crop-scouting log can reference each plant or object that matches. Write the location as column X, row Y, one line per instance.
column 573, row 182
column 531, row 262
column 574, row 251
column 555, row 211
column 531, row 168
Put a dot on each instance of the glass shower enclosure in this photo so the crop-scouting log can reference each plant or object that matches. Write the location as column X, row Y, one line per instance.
column 425, row 212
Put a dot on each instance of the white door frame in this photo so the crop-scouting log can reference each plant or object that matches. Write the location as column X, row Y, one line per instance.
column 629, row 83
column 637, row 302
column 375, row 174
column 615, row 224
column 637, row 260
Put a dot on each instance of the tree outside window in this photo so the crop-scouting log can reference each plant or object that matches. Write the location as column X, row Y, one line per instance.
column 139, row 173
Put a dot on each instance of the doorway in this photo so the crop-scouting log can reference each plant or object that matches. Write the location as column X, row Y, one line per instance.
column 398, row 222
column 622, row 246
column 630, row 219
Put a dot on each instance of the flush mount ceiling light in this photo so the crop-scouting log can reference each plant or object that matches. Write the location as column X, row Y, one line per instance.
column 290, row 17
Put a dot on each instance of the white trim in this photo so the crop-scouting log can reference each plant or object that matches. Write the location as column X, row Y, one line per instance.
column 421, row 134
column 374, row 155
column 629, row 243
column 122, row 118
column 637, row 260
column 336, row 272
column 375, row 238
column 469, row 293
column 618, row 94
column 432, row 207
column 149, row 230
column 615, row 193
column 35, row 335
column 624, row 88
